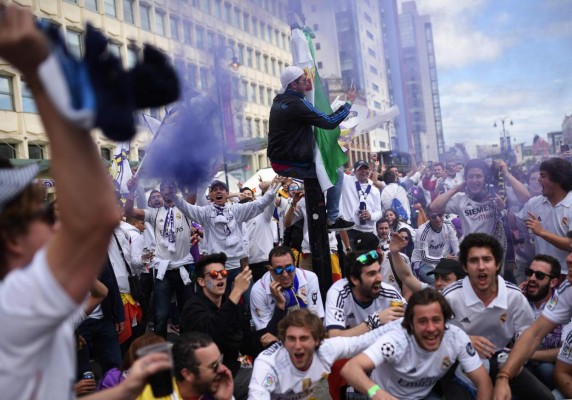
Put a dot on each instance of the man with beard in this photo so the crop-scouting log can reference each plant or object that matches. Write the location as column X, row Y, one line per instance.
column 222, row 318
column 541, row 282
column 361, row 301
column 549, row 216
column 558, row 310
column 199, row 371
column 490, row 310
column 298, row 366
column 408, row 361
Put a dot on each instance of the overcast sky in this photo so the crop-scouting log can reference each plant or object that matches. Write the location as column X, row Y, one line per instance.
column 502, row 58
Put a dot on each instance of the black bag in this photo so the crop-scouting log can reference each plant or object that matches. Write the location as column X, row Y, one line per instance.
column 134, row 281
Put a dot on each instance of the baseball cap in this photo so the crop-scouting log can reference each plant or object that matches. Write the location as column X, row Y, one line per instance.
column 218, row 183
column 359, row 164
column 289, row 75
column 14, row 180
column 446, row 266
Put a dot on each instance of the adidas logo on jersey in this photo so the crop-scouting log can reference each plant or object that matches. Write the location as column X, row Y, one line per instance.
column 466, row 320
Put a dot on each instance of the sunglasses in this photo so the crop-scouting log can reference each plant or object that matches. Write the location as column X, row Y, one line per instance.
column 435, row 216
column 368, row 257
column 214, row 274
column 538, row 274
column 288, row 269
column 214, row 366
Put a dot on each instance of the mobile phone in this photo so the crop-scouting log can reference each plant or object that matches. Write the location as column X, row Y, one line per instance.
column 352, row 85
column 564, row 148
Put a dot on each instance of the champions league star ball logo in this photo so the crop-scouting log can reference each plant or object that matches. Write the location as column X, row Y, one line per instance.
column 387, row 350
column 339, row 315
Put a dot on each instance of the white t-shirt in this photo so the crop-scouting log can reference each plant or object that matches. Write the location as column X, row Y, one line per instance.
column 507, row 316
column 407, row 371
column 343, row 311
column 431, row 246
column 557, row 220
column 262, row 302
column 300, row 213
column 275, row 377
column 391, row 191
column 259, row 233
column 37, row 352
column 475, row 216
column 181, row 226
column 350, row 200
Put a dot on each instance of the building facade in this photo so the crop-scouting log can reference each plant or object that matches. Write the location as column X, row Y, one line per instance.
column 199, row 36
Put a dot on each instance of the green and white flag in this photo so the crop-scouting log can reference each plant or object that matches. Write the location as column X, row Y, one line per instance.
column 328, row 156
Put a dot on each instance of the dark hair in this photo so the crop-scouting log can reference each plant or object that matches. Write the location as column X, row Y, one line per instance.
column 439, row 164
column 142, row 341
column 389, row 177
column 555, row 268
column 559, row 171
column 218, row 258
column 480, row 164
column 280, row 251
column 381, row 221
column 302, row 318
column 184, row 352
column 242, row 189
column 151, row 194
column 409, row 248
column 354, row 267
column 422, row 298
column 396, row 221
column 480, row 240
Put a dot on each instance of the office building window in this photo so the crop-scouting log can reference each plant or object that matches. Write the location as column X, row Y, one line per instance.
column 253, row 92
column 111, row 8
column 237, row 18
column 261, row 93
column 241, row 54
column 131, row 57
column 73, row 40
column 28, row 103
column 71, row 1
column 256, row 128
column 7, row 150
column 188, row 32
column 35, row 152
column 371, row 52
column 160, row 23
column 228, row 13
column 105, row 153
column 262, row 31
column 375, row 87
column 254, row 26
column 269, row 36
column 216, row 8
column 145, row 12
column 266, row 69
column 320, row 65
column 243, row 88
column 204, row 79
column 318, row 46
column 246, row 22
column 6, row 93
column 249, row 57
column 129, row 11
column 200, row 37
column 373, row 70
column 174, row 22
column 258, row 61
column 90, row 4
column 115, row 49
column 192, row 74
column 269, row 96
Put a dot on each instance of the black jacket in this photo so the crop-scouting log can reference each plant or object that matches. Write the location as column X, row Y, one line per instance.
column 228, row 326
column 290, row 136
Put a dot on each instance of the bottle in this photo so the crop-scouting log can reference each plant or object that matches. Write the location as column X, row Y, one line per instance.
column 88, row 375
column 362, row 207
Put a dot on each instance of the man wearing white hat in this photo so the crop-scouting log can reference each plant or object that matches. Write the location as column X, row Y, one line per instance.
column 291, row 139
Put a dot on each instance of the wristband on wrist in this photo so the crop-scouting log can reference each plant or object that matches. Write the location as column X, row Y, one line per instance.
column 503, row 375
column 372, row 391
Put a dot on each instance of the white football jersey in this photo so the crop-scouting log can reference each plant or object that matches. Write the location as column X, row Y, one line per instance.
column 343, row 311
column 407, row 371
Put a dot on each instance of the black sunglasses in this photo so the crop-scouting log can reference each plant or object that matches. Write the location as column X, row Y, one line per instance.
column 538, row 274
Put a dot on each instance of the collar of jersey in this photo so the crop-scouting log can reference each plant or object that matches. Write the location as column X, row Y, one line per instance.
column 472, row 299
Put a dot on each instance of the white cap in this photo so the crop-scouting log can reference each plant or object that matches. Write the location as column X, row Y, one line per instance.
column 14, row 180
column 289, row 75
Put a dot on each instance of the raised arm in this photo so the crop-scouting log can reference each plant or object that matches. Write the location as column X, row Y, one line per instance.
column 401, row 268
column 439, row 205
column 88, row 211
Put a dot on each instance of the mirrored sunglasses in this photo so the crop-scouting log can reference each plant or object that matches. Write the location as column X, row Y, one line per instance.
column 214, row 274
column 368, row 257
column 288, row 269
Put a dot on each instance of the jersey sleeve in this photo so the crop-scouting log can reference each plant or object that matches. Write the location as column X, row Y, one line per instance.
column 466, row 353
column 335, row 315
column 453, row 205
column 389, row 348
column 259, row 310
column 263, row 381
column 558, row 308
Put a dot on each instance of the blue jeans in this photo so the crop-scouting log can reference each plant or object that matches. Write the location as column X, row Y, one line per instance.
column 333, row 194
column 163, row 292
column 102, row 339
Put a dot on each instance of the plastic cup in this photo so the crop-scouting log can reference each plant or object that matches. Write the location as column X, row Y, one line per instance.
column 161, row 382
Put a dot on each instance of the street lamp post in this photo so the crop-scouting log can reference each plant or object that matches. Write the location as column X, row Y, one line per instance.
column 224, row 90
column 506, row 148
